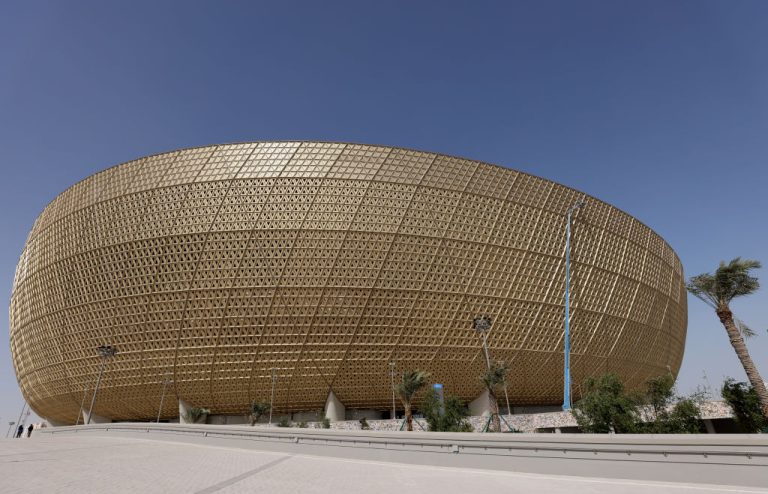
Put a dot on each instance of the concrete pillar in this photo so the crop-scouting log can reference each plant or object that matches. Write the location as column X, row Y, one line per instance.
column 183, row 408
column 95, row 419
column 334, row 409
column 709, row 426
column 481, row 405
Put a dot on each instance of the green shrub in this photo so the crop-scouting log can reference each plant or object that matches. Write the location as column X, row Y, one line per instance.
column 364, row 424
column 302, row 425
column 284, row 422
column 666, row 413
column 325, row 423
column 745, row 404
column 604, row 407
column 195, row 414
column 452, row 419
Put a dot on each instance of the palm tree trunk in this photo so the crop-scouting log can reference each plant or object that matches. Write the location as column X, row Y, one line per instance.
column 408, row 417
column 493, row 402
column 737, row 341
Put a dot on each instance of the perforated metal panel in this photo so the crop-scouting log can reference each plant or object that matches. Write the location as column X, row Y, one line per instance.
column 326, row 261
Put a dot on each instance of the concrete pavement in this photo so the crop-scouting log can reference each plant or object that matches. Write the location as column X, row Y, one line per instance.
column 72, row 463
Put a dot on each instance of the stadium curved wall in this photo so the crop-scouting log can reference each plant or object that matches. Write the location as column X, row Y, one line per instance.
column 326, row 261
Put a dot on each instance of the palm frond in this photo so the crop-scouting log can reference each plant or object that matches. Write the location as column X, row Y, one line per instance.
column 729, row 281
column 745, row 330
column 411, row 383
column 702, row 287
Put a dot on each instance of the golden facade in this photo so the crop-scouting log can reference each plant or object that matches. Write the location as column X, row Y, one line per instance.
column 326, row 261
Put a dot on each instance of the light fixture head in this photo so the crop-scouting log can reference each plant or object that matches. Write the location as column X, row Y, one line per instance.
column 481, row 323
column 578, row 205
column 107, row 351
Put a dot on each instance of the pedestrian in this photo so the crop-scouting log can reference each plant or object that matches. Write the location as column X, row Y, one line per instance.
column 30, row 429
column 20, row 431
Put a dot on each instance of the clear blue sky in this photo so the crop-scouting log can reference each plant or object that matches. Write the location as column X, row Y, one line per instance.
column 658, row 107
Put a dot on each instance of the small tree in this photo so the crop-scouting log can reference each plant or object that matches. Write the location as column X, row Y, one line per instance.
column 659, row 394
column 407, row 388
column 685, row 417
column 451, row 417
column 666, row 413
column 745, row 404
column 258, row 409
column 604, row 407
column 492, row 379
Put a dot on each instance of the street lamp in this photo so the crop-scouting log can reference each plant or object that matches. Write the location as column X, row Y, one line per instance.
column 272, row 398
column 567, row 350
column 166, row 382
column 392, row 378
column 482, row 324
column 21, row 414
column 82, row 404
column 105, row 352
column 10, row 426
column 506, row 395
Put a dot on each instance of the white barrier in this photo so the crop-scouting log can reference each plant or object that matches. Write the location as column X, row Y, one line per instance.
column 696, row 458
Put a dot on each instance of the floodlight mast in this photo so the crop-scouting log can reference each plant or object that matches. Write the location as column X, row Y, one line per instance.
column 272, row 396
column 105, row 352
column 82, row 404
column 392, row 378
column 166, row 382
column 567, row 336
column 482, row 324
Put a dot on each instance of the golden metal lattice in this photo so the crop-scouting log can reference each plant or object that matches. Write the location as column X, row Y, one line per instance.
column 327, row 261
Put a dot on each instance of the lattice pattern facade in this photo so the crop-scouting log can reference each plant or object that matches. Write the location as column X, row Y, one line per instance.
column 326, row 261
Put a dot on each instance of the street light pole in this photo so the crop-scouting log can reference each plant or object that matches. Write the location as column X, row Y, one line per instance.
column 105, row 352
column 482, row 324
column 272, row 398
column 82, row 403
column 18, row 421
column 506, row 395
column 567, row 336
column 392, row 378
column 166, row 382
column 10, row 426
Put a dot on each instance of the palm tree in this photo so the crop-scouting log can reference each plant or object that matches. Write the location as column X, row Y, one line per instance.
column 717, row 290
column 492, row 379
column 411, row 384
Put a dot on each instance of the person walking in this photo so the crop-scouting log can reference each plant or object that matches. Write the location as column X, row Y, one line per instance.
column 20, row 431
column 30, row 429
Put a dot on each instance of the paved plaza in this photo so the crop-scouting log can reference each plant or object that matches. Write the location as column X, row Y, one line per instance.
column 118, row 464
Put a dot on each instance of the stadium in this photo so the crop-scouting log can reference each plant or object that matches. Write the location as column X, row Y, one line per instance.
column 225, row 269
